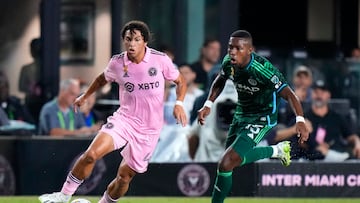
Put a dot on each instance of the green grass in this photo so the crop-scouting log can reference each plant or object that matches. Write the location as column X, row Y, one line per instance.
column 32, row 199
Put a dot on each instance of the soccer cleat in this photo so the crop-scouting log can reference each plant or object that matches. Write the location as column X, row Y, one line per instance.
column 56, row 197
column 284, row 149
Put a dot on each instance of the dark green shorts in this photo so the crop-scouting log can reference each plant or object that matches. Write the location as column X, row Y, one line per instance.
column 246, row 132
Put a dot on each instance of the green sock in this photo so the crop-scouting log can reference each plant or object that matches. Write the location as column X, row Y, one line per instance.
column 257, row 153
column 222, row 186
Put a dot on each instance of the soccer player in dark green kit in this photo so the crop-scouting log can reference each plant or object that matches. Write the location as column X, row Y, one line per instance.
column 259, row 85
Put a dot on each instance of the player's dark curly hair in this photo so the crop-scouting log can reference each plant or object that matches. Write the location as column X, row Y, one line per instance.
column 137, row 25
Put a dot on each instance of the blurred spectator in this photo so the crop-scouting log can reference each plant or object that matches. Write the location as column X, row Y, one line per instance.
column 207, row 142
column 92, row 116
column 332, row 137
column 172, row 145
column 168, row 51
column 57, row 116
column 192, row 93
column 355, row 54
column 302, row 80
column 29, row 81
column 4, row 120
column 209, row 58
column 199, row 101
column 12, row 105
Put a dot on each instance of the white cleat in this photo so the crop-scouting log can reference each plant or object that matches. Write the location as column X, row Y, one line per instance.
column 56, row 197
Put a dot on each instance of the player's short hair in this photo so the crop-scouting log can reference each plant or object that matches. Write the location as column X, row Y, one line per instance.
column 242, row 34
column 137, row 25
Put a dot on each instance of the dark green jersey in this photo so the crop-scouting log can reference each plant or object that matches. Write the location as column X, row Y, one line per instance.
column 258, row 86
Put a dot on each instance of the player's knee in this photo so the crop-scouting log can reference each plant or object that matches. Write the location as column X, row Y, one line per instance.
column 123, row 178
column 229, row 161
column 90, row 157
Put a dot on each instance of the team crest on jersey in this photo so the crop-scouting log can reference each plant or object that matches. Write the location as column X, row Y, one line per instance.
column 125, row 71
column 276, row 81
column 252, row 82
column 152, row 71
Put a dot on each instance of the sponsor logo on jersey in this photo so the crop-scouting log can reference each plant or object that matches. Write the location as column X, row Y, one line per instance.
column 142, row 86
column 129, row 86
column 193, row 180
column 247, row 89
column 152, row 71
column 149, row 85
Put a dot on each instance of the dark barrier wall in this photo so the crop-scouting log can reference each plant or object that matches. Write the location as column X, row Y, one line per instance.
column 32, row 166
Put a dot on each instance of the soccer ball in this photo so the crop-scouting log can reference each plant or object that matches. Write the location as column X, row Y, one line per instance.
column 80, row 200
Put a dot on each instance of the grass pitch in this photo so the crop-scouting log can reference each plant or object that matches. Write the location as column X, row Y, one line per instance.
column 33, row 199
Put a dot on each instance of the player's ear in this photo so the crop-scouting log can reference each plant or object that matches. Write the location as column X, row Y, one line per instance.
column 251, row 49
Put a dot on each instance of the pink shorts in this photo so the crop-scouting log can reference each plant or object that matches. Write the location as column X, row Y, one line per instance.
column 138, row 147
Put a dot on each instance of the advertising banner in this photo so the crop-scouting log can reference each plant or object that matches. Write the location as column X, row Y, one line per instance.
column 310, row 179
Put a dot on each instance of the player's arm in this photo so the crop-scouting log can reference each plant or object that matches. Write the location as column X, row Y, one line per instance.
column 181, row 89
column 288, row 94
column 215, row 90
column 96, row 84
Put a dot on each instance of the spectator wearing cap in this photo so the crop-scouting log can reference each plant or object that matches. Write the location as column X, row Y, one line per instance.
column 301, row 81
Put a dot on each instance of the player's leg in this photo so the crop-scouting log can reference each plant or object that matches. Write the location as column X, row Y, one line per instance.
column 119, row 186
column 280, row 151
column 223, row 181
column 100, row 146
column 227, row 163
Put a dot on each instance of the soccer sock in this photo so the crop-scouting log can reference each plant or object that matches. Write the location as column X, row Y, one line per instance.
column 107, row 199
column 257, row 153
column 275, row 153
column 222, row 186
column 71, row 184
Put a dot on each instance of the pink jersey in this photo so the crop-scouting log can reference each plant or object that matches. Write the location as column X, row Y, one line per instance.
column 136, row 125
column 141, row 89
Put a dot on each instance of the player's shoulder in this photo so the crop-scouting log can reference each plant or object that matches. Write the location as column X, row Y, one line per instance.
column 156, row 52
column 118, row 56
column 260, row 59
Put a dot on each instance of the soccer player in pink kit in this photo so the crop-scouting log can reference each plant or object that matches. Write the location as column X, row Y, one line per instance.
column 141, row 73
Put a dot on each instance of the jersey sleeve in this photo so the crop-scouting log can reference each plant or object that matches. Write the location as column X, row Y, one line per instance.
column 227, row 70
column 170, row 71
column 110, row 71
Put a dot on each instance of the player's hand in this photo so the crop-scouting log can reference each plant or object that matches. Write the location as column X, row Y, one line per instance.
column 302, row 132
column 202, row 113
column 180, row 115
column 79, row 101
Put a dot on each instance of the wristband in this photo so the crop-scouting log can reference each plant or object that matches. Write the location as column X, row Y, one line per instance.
column 208, row 103
column 180, row 103
column 300, row 119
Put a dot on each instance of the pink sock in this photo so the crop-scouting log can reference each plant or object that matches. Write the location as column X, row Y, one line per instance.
column 107, row 199
column 71, row 184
